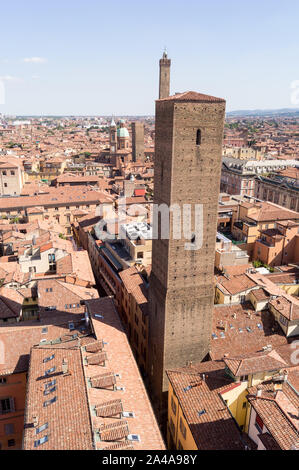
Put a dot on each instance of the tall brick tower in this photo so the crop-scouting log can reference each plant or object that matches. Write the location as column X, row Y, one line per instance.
column 164, row 82
column 137, row 141
column 113, row 136
column 188, row 151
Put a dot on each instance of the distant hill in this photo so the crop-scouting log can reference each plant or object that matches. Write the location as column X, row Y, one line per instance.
column 265, row 112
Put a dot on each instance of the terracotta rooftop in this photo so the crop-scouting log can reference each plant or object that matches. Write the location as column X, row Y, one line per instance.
column 287, row 277
column 214, row 428
column 78, row 264
column 236, row 284
column 288, row 308
column 120, row 361
column 19, row 338
column 65, row 421
column 267, row 211
column 56, row 297
column 10, row 303
column 65, row 195
column 278, row 410
column 135, row 285
column 80, row 410
column 67, row 178
column 257, row 363
column 260, row 294
column 193, row 96
column 239, row 330
column 268, row 441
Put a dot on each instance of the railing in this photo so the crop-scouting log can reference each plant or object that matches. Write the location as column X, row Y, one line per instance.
column 264, row 242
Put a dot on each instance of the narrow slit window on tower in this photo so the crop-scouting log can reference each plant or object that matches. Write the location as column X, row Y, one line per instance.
column 198, row 137
column 193, row 238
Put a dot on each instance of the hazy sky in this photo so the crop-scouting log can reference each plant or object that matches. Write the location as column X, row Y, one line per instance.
column 101, row 57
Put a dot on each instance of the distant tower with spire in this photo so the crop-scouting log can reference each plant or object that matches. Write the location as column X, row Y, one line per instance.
column 113, row 136
column 164, row 82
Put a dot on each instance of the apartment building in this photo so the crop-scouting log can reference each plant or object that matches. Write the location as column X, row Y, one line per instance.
column 278, row 189
column 16, row 342
column 62, row 205
column 74, row 180
column 97, row 379
column 239, row 176
column 198, row 418
column 134, row 312
column 51, row 166
column 278, row 246
column 243, row 153
column 137, row 240
column 43, row 258
column 210, row 404
column 228, row 254
column 253, row 217
column 12, row 176
column 273, row 423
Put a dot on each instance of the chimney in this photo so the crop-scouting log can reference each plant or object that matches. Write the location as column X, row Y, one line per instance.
column 259, row 392
column 285, row 375
column 65, row 368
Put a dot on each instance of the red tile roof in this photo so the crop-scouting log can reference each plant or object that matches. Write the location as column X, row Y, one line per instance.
column 278, row 410
column 244, row 331
column 67, row 419
column 193, row 96
column 215, row 429
column 87, row 405
column 120, row 360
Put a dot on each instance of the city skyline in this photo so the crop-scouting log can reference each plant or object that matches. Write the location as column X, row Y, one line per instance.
column 149, row 295
column 70, row 60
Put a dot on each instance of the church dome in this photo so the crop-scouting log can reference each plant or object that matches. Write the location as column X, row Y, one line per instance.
column 123, row 132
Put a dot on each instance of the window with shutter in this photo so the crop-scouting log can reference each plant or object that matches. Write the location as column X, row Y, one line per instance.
column 183, row 428
column 259, row 423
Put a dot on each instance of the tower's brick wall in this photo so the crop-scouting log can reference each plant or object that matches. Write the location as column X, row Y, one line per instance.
column 164, row 82
column 181, row 284
column 137, row 141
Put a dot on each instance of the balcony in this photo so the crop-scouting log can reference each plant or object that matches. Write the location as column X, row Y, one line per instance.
column 266, row 243
column 239, row 225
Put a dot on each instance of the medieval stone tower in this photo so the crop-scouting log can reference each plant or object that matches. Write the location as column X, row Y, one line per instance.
column 188, row 151
column 113, row 137
column 164, row 81
column 137, row 141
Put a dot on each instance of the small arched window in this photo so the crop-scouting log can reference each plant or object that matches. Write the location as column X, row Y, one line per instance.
column 198, row 137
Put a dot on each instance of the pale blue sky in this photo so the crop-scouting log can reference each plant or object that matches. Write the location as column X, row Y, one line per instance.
column 97, row 57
